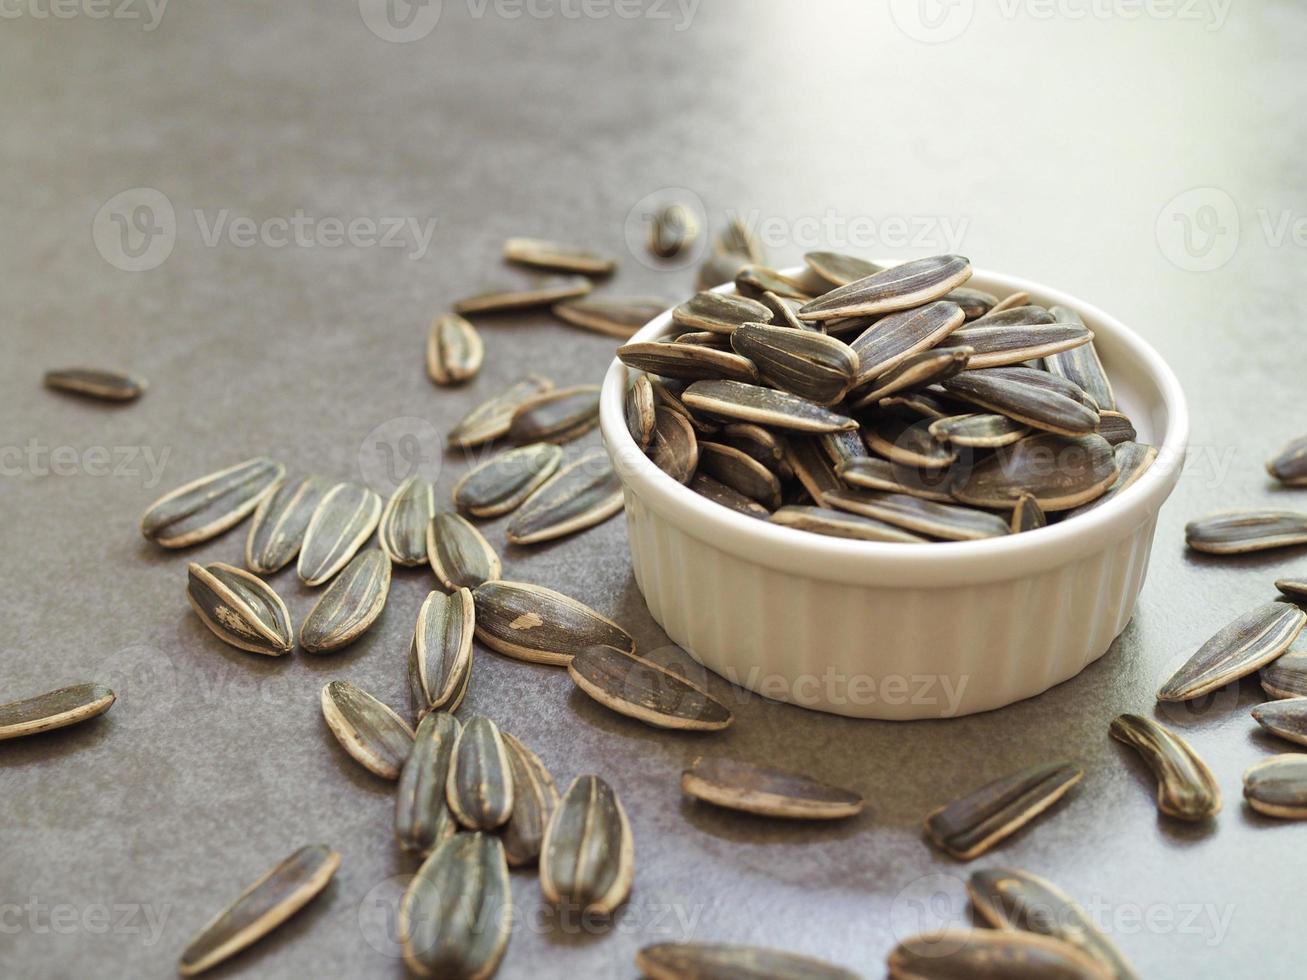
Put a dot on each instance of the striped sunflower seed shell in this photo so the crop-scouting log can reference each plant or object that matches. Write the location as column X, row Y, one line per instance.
column 239, row 608
column 349, row 605
column 54, row 709
column 376, row 737
column 587, row 858
column 492, row 418
column 440, row 656
column 454, row 350
column 204, row 508
column 402, row 531
column 501, row 483
column 579, row 496
column 459, row 554
column 479, row 786
column 538, row 625
column 422, row 816
column 277, row 531
column 346, row 517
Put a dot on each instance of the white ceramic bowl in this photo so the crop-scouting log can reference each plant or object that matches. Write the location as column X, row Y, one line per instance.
column 900, row 631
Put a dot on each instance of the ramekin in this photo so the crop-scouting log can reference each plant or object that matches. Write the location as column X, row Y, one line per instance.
column 902, row 631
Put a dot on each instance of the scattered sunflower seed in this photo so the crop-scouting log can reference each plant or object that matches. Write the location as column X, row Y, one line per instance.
column 350, row 604
column 239, row 608
column 643, row 690
column 610, row 316
column 973, row 824
column 534, row 798
column 454, row 350
column 872, row 473
column 1290, row 464
column 1116, row 428
column 719, row 493
column 539, row 625
column 720, row 269
column 802, row 362
column 719, row 312
column 440, row 656
column 556, row 416
column 54, row 709
column 1027, row 515
column 899, row 288
column 839, row 269
column 1132, row 461
column 500, row 484
column 947, row 521
column 915, row 371
column 991, row 954
column 1286, row 718
column 1186, row 788
column 639, row 408
column 537, row 290
column 367, row 729
column 1251, row 641
column 459, row 554
column 1000, row 345
column 280, row 521
column 740, row 471
column 765, row 406
column 343, row 520
column 839, row 524
column 422, row 816
column 90, row 383
column 672, row 230
column 720, row 961
column 674, row 449
column 480, row 782
column 1238, row 532
column 738, row 239
column 1060, row 473
column 402, row 532
column 1286, row 676
column 579, row 496
column 981, row 430
column 975, row 303
column 1277, row 786
column 491, row 419
column 204, row 508
column 587, row 858
column 770, row 792
column 1081, row 364
column 688, row 362
column 889, row 341
column 1021, row 399
column 541, row 254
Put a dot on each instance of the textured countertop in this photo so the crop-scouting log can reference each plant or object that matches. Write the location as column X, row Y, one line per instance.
column 1146, row 159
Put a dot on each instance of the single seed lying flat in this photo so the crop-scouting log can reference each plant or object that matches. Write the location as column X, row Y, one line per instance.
column 688, row 362
column 239, row 608
column 719, row 493
column 1286, row 718
column 1116, row 428
column 579, row 496
column 672, row 230
column 1251, row 641
column 899, row 288
column 991, row 954
column 90, row 383
column 765, row 406
column 806, row 457
column 422, row 816
column 54, row 709
column 611, row 316
column 539, row 625
column 918, row 370
column 738, row 239
column 261, row 908
column 1132, row 461
column 1286, row 676
column 1010, row 302
column 803, row 362
column 1289, row 465
column 937, row 520
column 1277, row 786
column 1027, row 515
column 367, row 729
column 587, row 858
column 719, row 312
column 1239, row 532
column 975, row 303
column 402, row 532
column 556, row 416
column 280, row 521
column 740, row 471
column 1010, row 899
column 350, row 604
column 491, row 418
column 459, row 554
column 1081, row 364
column 839, row 269
column 541, row 254
column 1060, row 473
column 979, row 430
column 535, row 291
column 973, row 824
column 534, row 798
column 839, row 524
column 998, row 345
column 721, row 961
column 640, row 689
column 873, row 473
column 770, row 792
column 720, row 269
column 456, row 916
column 204, row 508
column 1023, row 401
column 480, row 781
column 639, row 409
column 1186, row 788
column 674, row 449
column 909, row 444
column 454, row 350
column 343, row 520
column 440, row 656
column 501, row 483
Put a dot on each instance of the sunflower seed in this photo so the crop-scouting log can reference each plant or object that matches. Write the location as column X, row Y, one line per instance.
column 344, row 519
column 1296, row 589
column 720, row 961
column 720, row 269
column 1132, row 461
column 239, row 608
column 1023, row 401
column 349, row 605
column 705, row 338
column 1116, row 428
column 765, row 406
column 907, row 443
column 454, row 350
column 1286, row 676
column 978, row 430
column 440, row 656
column 500, row 484
column 741, row 472
column 1060, row 473
column 1081, row 365
column 975, row 303
column 587, row 859
column 738, row 239
column 402, row 532
column 532, row 623
column 672, row 230
column 668, row 395
column 719, row 312
column 840, row 270
column 689, row 362
column 261, row 908
column 480, row 782
column 579, row 496
column 996, row 345
column 1018, row 316
column 491, row 419
column 422, row 816
column 204, row 508
column 534, row 798
column 973, row 824
column 280, row 521
column 639, row 689
column 770, row 792
column 870, row 473
column 105, row 385
column 1027, row 515
column 459, row 554
column 1011, row 899
column 938, row 520
column 803, row 362
column 54, row 709
column 540, row 254
column 536, row 290
column 1043, row 380
column 885, row 344
column 914, row 371
column 1286, row 718
column 639, row 408
column 719, row 493
column 1251, row 641
column 556, row 416
column 990, row 954
column 754, row 280
column 843, row 446
column 674, row 449
column 610, row 316
column 1277, row 786
column 785, row 312
column 1237, row 532
column 899, row 288
column 456, row 916
column 839, row 524
column 929, row 404
column 367, row 729
column 1290, row 464
column 1011, row 302
column 810, row 464
column 1186, row 788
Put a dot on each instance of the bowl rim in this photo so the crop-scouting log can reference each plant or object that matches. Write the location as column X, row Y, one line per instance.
column 851, row 562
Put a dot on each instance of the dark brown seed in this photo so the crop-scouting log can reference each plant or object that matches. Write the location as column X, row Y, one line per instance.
column 1082, row 365
column 705, row 338
column 840, row 270
column 532, row 623
column 973, row 824
column 579, row 496
column 991, row 954
column 1290, row 464
column 754, row 280
column 1238, row 532
column 587, row 860
column 720, row 269
column 349, row 605
column 345, row 518
column 280, row 521
column 90, row 383
column 541, row 254
column 785, row 312
column 440, row 656
column 738, row 239
column 975, row 303
column 803, row 362
column 1186, row 788
column 978, row 430
column 367, row 729
column 54, row 709
column 668, row 395
column 1023, row 401
column 758, row 443
column 810, row 464
column 500, row 484
column 402, row 531
column 1010, row 302
column 480, row 781
column 1027, row 515
column 1132, row 461
column 914, row 371
column 719, row 312
column 534, row 799
column 459, row 554
column 1286, row 676
column 997, row 345
column 422, row 816
column 535, row 290
column 556, row 416
column 611, row 316
column 839, row 524
column 1250, row 642
column 719, row 493
column 899, row 288
column 930, row 403
column 204, row 508
column 454, row 350
column 842, row 446
column 765, row 406
column 1038, row 378
column 720, row 961
column 491, row 419
column 766, row 791
column 937, row 520
column 1286, row 718
column 907, row 443
column 1060, row 473
column 1018, row 316
column 740, row 471
column 239, row 608
column 1116, row 428
column 871, row 473
column 885, row 344
column 689, row 362
column 261, row 908
column 672, row 230
column 1277, row 786
column 674, row 449
column 639, row 407
column 639, row 689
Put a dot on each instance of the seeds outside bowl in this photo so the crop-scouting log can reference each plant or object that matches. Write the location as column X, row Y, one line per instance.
column 643, row 690
column 54, row 709
column 970, row 826
column 767, row 792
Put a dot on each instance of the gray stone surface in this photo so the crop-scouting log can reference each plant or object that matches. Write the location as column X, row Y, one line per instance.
column 1057, row 146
